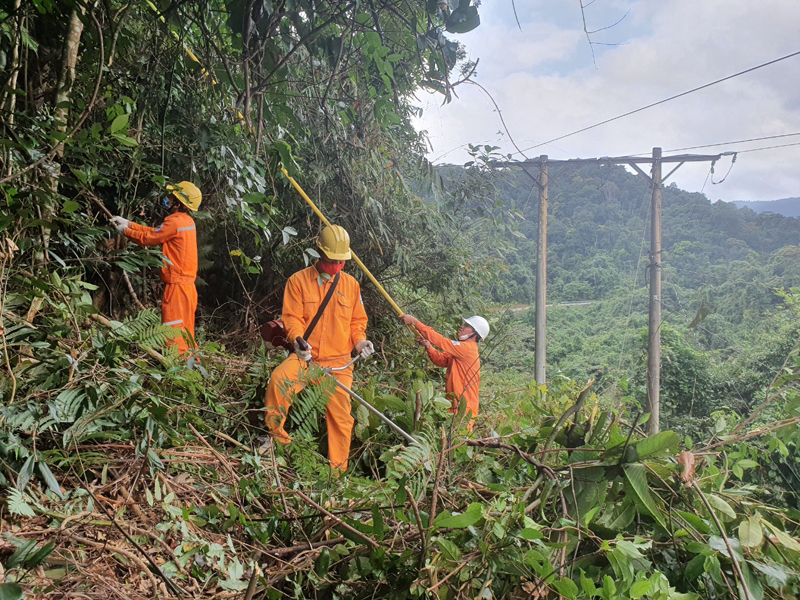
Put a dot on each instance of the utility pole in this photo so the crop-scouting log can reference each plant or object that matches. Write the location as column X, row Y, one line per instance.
column 540, row 355
column 654, row 292
column 654, row 322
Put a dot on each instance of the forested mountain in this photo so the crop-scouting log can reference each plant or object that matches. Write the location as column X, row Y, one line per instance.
column 788, row 207
column 597, row 234
column 130, row 471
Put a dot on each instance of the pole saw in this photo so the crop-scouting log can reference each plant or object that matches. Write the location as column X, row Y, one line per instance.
column 304, row 345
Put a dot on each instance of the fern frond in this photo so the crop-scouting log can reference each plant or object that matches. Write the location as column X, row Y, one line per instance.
column 416, row 458
column 311, row 404
column 18, row 504
column 16, row 419
column 68, row 405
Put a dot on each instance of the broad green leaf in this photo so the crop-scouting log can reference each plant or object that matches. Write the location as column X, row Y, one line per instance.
column 665, row 441
column 776, row 572
column 234, row 585
column 697, row 522
column 588, row 586
column 753, row 584
column 750, row 533
column 254, row 198
column 566, row 587
column 25, row 473
column 695, row 567
column 70, row 206
column 530, row 534
column 636, row 477
column 49, row 478
column 721, row 506
column 625, row 516
column 34, row 559
column 473, row 514
column 10, row 591
column 377, row 522
column 609, row 587
column 323, row 563
column 119, row 123
column 718, row 544
column 21, row 554
column 786, row 540
column 713, row 569
column 639, row 589
column 125, row 140
column 449, row 550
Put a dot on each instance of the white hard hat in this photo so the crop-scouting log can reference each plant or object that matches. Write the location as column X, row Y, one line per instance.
column 479, row 324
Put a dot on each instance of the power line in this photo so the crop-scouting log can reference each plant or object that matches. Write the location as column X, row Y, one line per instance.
column 697, row 89
column 769, row 147
column 758, row 139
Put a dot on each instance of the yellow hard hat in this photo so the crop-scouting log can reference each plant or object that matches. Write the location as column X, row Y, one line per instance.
column 334, row 241
column 187, row 193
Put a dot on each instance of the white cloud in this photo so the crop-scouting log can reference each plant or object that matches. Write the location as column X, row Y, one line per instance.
column 545, row 83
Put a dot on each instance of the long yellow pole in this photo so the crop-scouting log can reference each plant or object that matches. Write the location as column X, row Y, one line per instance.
column 357, row 260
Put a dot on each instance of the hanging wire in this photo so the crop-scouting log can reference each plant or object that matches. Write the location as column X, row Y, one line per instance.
column 708, row 175
column 634, row 280
column 733, row 161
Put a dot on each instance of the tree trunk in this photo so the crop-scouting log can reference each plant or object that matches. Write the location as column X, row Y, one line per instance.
column 66, row 78
column 12, row 83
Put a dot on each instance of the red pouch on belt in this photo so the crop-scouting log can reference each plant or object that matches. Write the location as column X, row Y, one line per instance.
column 274, row 334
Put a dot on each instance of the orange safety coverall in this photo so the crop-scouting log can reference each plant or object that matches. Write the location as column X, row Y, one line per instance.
column 463, row 378
column 341, row 327
column 178, row 239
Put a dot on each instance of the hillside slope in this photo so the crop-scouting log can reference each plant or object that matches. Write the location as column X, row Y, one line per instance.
column 788, row 207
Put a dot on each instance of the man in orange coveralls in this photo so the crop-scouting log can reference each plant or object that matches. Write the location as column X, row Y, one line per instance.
column 459, row 357
column 178, row 239
column 341, row 328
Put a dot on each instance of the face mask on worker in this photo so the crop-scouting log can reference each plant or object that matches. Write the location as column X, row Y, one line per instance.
column 165, row 204
column 466, row 336
column 330, row 268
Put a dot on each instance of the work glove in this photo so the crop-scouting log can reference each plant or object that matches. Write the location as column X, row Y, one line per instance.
column 365, row 348
column 304, row 355
column 120, row 223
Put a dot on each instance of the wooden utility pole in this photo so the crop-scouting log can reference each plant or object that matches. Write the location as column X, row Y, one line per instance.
column 540, row 356
column 654, row 322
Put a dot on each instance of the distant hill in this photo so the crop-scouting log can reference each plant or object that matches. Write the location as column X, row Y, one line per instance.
column 788, row 207
column 598, row 233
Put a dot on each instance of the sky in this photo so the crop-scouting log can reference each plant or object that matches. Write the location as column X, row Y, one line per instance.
column 544, row 80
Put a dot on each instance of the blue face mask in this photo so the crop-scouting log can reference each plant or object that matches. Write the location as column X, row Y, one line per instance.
column 166, row 204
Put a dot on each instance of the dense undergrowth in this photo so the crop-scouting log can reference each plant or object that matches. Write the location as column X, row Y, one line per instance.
column 131, row 478
column 129, row 473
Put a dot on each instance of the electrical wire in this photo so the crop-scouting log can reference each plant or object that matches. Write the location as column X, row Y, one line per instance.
column 769, row 148
column 758, row 139
column 647, row 191
column 676, row 96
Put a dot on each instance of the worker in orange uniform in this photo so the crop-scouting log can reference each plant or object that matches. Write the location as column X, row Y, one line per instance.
column 178, row 239
column 460, row 358
column 341, row 327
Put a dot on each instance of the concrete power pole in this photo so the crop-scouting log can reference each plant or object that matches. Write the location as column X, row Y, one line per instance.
column 654, row 323
column 540, row 355
column 654, row 329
